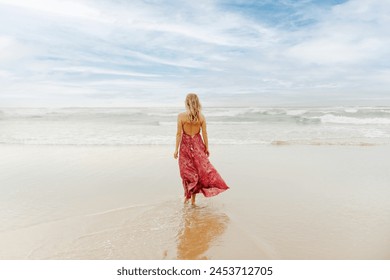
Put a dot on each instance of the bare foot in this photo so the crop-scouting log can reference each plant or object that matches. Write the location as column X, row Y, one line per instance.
column 186, row 200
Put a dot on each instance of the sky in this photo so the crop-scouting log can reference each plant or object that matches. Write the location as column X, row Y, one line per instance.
column 121, row 53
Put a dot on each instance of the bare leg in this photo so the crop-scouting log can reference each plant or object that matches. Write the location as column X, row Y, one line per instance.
column 193, row 199
column 186, row 199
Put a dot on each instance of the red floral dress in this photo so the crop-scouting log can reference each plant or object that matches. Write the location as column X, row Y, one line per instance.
column 197, row 173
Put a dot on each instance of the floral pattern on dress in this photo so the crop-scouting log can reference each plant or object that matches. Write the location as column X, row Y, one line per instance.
column 197, row 173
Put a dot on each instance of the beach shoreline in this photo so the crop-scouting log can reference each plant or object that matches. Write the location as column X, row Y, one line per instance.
column 125, row 202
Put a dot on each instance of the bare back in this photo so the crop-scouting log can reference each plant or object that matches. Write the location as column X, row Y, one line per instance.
column 191, row 128
column 184, row 125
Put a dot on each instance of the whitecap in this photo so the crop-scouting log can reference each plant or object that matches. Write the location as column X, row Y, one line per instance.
column 351, row 110
column 233, row 112
column 329, row 118
column 296, row 112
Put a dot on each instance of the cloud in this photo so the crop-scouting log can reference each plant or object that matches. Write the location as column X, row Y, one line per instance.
column 353, row 33
column 138, row 51
column 58, row 8
column 95, row 70
column 11, row 50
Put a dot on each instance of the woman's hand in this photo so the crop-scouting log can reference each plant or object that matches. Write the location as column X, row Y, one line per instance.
column 175, row 154
column 207, row 152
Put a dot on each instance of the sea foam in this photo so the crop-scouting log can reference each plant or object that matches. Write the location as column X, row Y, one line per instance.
column 157, row 126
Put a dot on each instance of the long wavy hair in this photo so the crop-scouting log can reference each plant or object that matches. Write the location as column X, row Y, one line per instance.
column 193, row 107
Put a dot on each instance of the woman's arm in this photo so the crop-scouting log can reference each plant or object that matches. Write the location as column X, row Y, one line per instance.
column 204, row 135
column 178, row 136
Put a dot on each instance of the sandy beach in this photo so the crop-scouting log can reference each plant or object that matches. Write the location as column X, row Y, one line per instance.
column 125, row 202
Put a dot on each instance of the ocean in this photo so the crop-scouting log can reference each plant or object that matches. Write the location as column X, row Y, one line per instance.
column 232, row 126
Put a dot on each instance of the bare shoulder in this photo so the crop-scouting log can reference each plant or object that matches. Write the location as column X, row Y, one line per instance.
column 181, row 116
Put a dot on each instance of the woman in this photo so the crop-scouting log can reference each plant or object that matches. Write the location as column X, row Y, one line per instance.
column 197, row 173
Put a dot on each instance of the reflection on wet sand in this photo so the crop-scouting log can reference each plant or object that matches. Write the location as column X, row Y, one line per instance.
column 200, row 228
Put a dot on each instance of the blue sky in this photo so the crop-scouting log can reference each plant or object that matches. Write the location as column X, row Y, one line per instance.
column 230, row 52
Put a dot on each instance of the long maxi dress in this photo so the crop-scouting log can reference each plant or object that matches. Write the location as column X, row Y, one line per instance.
column 197, row 173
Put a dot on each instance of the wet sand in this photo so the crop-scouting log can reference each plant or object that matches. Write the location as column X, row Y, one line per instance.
column 125, row 202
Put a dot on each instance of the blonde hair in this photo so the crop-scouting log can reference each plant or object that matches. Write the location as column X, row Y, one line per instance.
column 193, row 107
